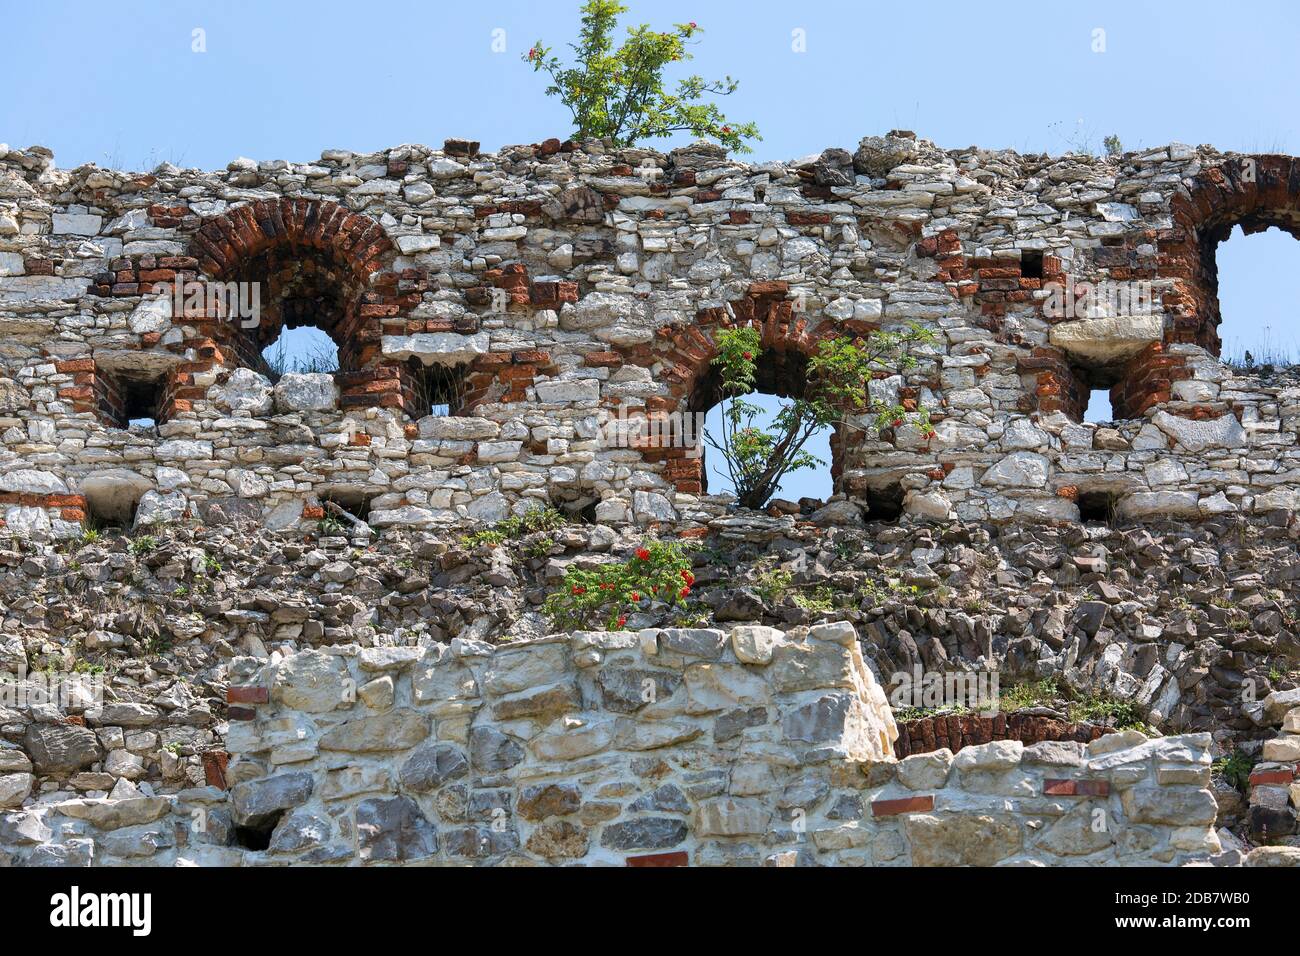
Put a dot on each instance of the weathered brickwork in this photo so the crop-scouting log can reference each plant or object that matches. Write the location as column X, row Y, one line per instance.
column 541, row 290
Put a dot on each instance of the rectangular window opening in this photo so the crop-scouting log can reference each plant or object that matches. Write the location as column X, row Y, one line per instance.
column 1031, row 263
column 1097, row 507
column 436, row 390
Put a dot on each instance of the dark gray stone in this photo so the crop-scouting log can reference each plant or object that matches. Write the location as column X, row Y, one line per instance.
column 623, row 689
column 648, row 833
column 666, row 799
column 734, row 722
column 393, row 830
column 300, row 830
column 490, row 750
column 61, row 748
column 819, row 721
column 431, row 765
column 138, row 842
column 693, row 642
column 71, row 854
column 255, row 803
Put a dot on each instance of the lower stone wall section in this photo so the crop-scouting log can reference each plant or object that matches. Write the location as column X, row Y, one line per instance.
column 661, row 747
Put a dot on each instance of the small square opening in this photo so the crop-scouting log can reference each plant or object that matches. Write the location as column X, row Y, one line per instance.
column 884, row 504
column 436, row 389
column 1098, row 408
column 355, row 504
column 130, row 398
column 1031, row 263
column 1096, row 507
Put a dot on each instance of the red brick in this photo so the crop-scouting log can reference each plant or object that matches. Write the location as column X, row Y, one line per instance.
column 1076, row 788
column 248, row 694
column 676, row 858
column 1271, row 777
column 889, row 808
column 214, row 767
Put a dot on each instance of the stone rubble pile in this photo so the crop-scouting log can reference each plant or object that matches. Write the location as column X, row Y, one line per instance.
column 1174, row 623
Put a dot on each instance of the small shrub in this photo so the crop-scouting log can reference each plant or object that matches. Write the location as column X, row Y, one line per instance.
column 1235, row 770
column 1028, row 694
column 820, row 601
column 659, row 572
column 329, row 527
column 1121, row 714
column 515, row 527
column 620, row 93
column 772, row 585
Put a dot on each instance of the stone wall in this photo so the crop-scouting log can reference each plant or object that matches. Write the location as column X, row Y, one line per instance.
column 557, row 286
column 662, row 747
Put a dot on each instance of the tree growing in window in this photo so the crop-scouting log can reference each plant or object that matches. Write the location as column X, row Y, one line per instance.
column 620, row 93
column 837, row 394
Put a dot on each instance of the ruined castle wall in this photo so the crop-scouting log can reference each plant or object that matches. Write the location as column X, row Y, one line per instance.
column 653, row 748
column 557, row 284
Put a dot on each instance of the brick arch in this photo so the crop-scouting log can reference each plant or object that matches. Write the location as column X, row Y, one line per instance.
column 1255, row 192
column 353, row 240
column 320, row 264
column 685, row 355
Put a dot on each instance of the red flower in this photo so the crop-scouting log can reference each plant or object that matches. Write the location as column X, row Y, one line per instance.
column 654, row 589
column 685, row 592
column 635, row 596
column 532, row 52
column 691, row 24
column 643, row 554
column 726, row 129
column 622, row 620
column 749, row 356
column 578, row 590
column 898, row 422
column 688, row 577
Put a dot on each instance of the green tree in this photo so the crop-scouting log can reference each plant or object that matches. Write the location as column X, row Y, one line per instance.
column 836, row 395
column 619, row 94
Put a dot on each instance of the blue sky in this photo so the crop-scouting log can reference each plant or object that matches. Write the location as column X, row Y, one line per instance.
column 120, row 83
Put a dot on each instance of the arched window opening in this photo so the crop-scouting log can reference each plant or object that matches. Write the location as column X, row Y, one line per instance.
column 780, row 375
column 305, row 349
column 304, row 313
column 1257, row 305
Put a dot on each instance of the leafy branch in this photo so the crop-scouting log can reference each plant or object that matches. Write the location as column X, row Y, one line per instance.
column 620, row 93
